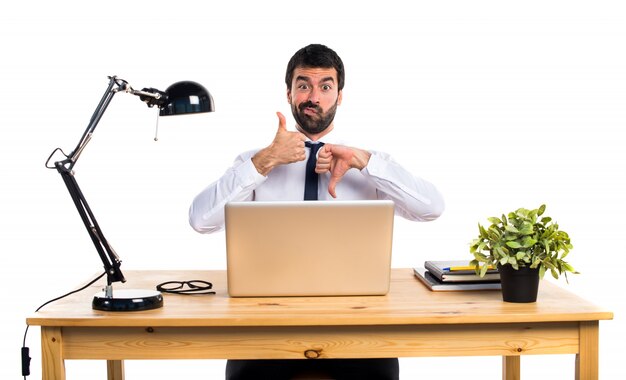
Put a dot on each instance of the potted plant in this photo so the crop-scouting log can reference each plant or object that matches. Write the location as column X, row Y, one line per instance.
column 523, row 245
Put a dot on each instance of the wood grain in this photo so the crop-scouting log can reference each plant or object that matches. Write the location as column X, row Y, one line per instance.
column 52, row 353
column 408, row 302
column 511, row 367
column 116, row 343
column 115, row 370
column 410, row 321
column 587, row 360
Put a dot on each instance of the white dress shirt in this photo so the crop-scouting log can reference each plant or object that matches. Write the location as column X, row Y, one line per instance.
column 382, row 178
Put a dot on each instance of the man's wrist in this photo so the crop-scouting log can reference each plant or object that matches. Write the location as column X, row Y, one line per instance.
column 262, row 162
column 360, row 159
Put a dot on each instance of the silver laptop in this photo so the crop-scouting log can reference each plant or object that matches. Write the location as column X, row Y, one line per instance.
column 308, row 248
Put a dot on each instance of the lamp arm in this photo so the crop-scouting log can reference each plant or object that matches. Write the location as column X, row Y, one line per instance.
column 108, row 256
column 95, row 118
column 110, row 259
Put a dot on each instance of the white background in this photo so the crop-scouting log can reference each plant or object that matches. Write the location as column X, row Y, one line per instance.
column 501, row 104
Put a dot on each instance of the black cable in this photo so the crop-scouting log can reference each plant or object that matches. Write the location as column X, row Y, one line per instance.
column 25, row 350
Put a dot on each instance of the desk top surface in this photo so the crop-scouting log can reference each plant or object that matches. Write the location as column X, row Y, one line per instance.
column 408, row 302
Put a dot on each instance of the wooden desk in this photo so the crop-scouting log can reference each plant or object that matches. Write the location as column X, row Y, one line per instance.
column 409, row 321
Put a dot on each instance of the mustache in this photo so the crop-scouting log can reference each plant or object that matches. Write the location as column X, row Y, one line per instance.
column 309, row 104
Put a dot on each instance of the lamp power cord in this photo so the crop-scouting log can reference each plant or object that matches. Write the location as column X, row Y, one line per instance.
column 25, row 350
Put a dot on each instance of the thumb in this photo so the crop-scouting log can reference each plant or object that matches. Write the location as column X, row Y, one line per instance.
column 331, row 186
column 282, row 122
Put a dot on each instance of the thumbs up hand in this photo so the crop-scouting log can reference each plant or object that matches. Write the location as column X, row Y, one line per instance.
column 287, row 147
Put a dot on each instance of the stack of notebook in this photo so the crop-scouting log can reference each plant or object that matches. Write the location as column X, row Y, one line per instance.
column 455, row 275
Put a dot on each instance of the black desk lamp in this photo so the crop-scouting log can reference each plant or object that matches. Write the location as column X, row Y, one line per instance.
column 180, row 98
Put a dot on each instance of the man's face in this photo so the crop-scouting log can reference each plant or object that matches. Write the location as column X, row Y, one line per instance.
column 314, row 97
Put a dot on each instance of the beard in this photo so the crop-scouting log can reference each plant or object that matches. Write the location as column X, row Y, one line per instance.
column 313, row 124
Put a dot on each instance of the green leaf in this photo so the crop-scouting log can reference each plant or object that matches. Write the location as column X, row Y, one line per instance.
column 554, row 273
column 511, row 228
column 513, row 244
column 567, row 267
column 475, row 263
column 542, row 271
column 548, row 264
column 493, row 234
column 482, row 232
column 541, row 210
column 522, row 213
column 483, row 270
column 526, row 228
column 528, row 241
column 494, row 220
column 480, row 257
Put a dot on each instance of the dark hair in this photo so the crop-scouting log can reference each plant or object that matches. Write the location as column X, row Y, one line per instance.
column 315, row 55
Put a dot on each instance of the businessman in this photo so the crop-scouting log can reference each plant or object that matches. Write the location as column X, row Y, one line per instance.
column 310, row 163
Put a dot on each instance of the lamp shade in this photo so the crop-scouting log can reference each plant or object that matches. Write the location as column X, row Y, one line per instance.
column 186, row 97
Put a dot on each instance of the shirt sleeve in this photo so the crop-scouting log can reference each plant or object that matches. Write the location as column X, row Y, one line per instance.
column 414, row 198
column 206, row 213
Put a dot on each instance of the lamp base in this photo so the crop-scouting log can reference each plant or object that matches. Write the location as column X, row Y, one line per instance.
column 128, row 300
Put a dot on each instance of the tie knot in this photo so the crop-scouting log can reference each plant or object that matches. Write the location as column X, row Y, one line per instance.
column 314, row 146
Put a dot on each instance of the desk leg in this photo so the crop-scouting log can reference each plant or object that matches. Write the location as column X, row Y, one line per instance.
column 115, row 370
column 587, row 357
column 511, row 368
column 52, row 364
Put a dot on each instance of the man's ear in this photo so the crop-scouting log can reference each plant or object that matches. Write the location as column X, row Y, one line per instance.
column 339, row 97
column 289, row 96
